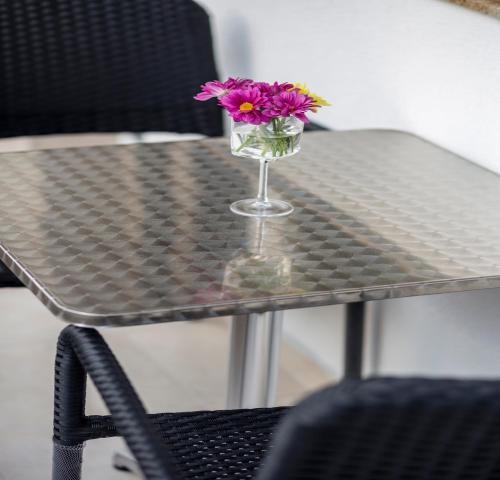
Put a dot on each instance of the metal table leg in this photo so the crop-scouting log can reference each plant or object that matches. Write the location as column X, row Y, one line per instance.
column 254, row 360
column 353, row 353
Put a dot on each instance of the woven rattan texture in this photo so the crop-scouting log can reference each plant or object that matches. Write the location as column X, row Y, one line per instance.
column 218, row 445
column 376, row 429
column 205, row 445
column 391, row 429
column 123, row 235
column 81, row 352
column 67, row 462
column 104, row 66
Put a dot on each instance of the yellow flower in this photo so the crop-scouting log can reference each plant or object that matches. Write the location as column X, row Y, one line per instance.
column 246, row 107
column 320, row 101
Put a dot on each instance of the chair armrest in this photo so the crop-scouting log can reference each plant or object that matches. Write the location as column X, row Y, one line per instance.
column 83, row 348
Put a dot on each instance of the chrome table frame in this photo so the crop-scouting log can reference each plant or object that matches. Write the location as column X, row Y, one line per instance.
column 254, row 360
column 138, row 234
column 254, row 355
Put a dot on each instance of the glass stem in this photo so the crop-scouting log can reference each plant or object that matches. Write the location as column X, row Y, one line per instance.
column 263, row 172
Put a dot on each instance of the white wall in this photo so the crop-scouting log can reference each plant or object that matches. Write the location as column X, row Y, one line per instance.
column 425, row 66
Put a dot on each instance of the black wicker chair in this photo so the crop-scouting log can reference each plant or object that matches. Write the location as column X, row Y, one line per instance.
column 378, row 429
column 74, row 66
column 70, row 66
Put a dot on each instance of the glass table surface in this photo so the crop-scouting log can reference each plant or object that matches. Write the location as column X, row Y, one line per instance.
column 133, row 234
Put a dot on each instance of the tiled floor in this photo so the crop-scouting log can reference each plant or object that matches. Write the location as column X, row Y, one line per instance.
column 179, row 366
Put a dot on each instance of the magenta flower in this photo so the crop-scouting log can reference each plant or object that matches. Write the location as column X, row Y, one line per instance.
column 273, row 88
column 248, row 105
column 218, row 89
column 291, row 103
column 235, row 83
column 259, row 102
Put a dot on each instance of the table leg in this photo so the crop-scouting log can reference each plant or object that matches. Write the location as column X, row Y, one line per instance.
column 254, row 360
column 354, row 333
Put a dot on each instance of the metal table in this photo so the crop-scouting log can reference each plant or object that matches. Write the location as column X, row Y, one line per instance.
column 137, row 234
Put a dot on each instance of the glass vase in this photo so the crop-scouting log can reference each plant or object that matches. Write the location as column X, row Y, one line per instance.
column 266, row 143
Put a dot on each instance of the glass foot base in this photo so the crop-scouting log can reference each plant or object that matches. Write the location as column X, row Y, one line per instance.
column 252, row 207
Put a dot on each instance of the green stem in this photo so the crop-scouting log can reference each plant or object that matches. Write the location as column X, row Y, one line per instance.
column 278, row 143
column 249, row 139
column 276, row 125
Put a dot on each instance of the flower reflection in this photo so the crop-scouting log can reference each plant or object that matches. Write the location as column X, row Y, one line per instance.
column 261, row 269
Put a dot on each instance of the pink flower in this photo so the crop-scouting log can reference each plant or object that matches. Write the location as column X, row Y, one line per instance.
column 274, row 88
column 247, row 105
column 235, row 83
column 210, row 90
column 293, row 103
column 218, row 89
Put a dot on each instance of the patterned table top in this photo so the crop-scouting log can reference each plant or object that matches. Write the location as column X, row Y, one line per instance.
column 124, row 235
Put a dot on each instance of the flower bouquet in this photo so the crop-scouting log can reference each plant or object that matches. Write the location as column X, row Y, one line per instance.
column 267, row 121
